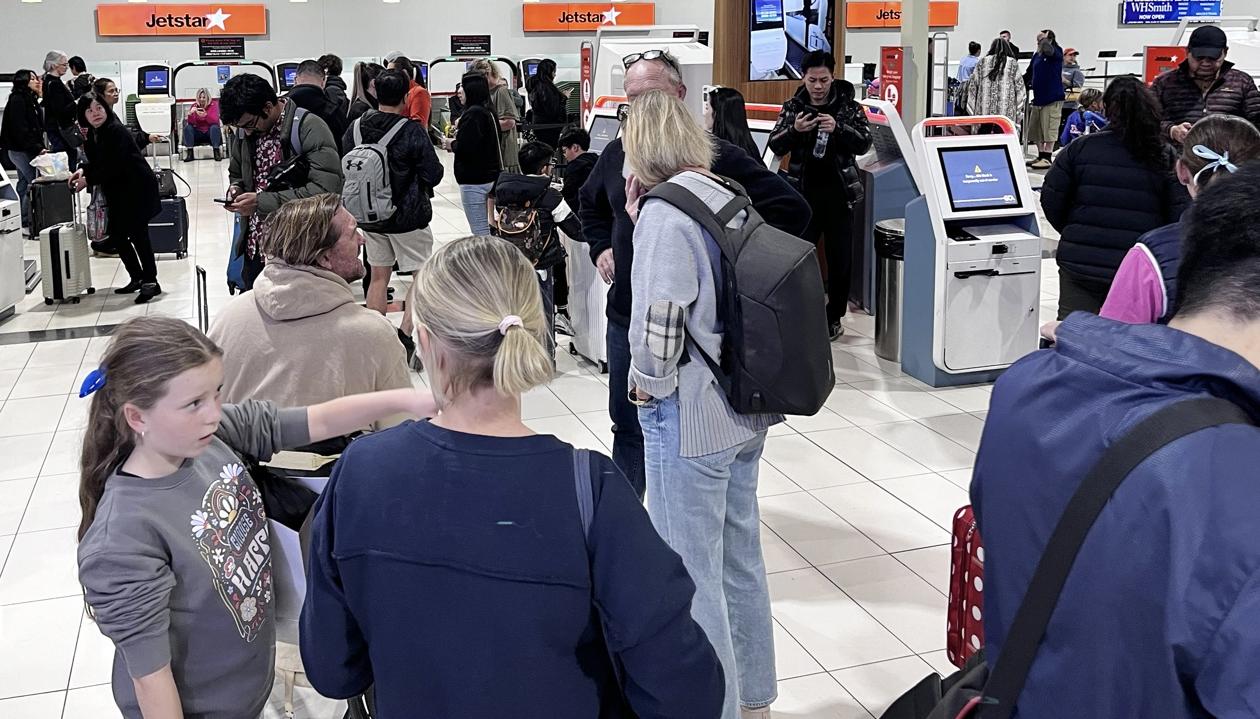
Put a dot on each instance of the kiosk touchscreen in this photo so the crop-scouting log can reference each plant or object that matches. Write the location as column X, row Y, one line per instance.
column 972, row 282
column 604, row 128
column 154, row 80
column 286, row 76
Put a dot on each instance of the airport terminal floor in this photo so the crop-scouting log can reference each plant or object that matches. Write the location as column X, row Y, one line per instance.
column 856, row 502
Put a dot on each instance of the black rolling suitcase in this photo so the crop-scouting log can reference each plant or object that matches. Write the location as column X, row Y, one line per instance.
column 52, row 203
column 168, row 232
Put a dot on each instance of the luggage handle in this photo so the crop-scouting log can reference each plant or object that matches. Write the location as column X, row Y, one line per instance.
column 203, row 302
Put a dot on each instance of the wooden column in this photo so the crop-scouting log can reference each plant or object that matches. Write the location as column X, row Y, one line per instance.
column 730, row 53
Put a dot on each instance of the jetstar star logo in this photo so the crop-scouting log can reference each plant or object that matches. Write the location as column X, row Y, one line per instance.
column 607, row 17
column 215, row 19
column 122, row 20
column 584, row 17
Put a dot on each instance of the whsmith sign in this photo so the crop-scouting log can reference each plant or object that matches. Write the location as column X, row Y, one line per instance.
column 141, row 20
column 1166, row 12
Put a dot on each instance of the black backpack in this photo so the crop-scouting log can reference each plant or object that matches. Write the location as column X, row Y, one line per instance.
column 776, row 353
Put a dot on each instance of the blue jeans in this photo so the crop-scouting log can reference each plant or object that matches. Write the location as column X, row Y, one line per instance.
column 705, row 508
column 627, row 449
column 26, row 174
column 473, row 198
column 194, row 137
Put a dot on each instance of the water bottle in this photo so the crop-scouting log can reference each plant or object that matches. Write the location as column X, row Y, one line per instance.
column 820, row 145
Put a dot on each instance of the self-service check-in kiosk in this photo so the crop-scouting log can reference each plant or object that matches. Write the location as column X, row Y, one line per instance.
column 12, row 268
column 972, row 255
column 889, row 174
column 155, row 112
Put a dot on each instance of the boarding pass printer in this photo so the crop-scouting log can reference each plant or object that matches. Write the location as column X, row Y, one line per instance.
column 972, row 256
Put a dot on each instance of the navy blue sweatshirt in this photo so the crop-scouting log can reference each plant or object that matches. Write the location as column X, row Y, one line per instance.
column 605, row 223
column 451, row 570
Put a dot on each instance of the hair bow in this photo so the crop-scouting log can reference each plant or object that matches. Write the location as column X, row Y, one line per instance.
column 94, row 381
column 1217, row 161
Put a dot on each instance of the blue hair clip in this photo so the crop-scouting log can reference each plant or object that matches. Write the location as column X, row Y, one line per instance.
column 94, row 381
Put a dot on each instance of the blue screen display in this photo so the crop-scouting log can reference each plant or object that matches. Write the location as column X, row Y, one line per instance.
column 979, row 178
column 290, row 76
column 531, row 69
column 157, row 79
column 1166, row 12
column 767, row 11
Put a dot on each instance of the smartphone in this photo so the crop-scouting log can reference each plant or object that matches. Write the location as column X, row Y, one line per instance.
column 222, row 201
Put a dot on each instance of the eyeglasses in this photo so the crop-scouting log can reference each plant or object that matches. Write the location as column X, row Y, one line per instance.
column 248, row 126
column 662, row 55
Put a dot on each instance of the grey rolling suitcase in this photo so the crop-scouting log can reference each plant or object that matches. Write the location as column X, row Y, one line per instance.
column 64, row 257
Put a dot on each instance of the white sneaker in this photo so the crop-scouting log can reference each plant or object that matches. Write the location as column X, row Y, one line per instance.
column 762, row 713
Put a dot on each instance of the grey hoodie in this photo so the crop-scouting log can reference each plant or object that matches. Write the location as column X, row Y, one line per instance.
column 299, row 338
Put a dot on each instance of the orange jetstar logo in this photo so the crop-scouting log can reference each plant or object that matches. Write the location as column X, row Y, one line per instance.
column 584, row 17
column 888, row 14
column 148, row 20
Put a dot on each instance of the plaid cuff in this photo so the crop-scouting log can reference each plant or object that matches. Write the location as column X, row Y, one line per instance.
column 666, row 331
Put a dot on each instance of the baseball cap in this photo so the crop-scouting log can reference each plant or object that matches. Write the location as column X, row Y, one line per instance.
column 1207, row 41
column 1071, row 51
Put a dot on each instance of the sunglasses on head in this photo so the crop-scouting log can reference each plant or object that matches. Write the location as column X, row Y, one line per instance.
column 663, row 55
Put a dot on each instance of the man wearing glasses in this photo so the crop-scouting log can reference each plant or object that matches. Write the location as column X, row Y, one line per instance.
column 262, row 148
column 609, row 231
column 1205, row 84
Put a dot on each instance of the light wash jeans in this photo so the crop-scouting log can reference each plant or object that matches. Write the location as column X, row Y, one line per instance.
column 26, row 174
column 473, row 198
column 706, row 510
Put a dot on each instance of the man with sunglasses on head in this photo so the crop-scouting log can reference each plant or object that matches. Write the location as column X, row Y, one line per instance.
column 610, row 233
column 262, row 148
column 1205, row 84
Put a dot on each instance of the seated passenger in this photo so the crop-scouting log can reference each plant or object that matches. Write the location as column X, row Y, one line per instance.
column 1146, row 282
column 448, row 564
column 300, row 338
column 1158, row 616
column 201, row 127
column 1085, row 120
column 1105, row 191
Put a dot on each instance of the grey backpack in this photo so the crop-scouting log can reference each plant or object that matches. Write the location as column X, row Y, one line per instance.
column 367, row 194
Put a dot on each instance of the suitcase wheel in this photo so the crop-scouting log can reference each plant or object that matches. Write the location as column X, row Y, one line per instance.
column 180, row 255
column 572, row 349
column 74, row 300
column 91, row 290
column 48, row 300
column 603, row 368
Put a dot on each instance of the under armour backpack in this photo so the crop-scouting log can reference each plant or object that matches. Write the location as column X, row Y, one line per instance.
column 776, row 353
column 367, row 194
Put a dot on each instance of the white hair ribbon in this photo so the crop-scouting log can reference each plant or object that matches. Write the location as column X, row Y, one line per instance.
column 1218, row 161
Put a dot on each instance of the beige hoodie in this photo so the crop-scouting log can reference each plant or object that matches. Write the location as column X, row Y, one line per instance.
column 299, row 339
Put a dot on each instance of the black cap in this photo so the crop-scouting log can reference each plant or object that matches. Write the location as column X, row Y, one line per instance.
column 1207, row 41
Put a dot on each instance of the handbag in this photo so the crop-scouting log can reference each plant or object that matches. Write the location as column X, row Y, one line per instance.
column 97, row 216
column 998, row 688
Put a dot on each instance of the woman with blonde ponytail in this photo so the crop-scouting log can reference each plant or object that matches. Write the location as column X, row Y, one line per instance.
column 456, row 547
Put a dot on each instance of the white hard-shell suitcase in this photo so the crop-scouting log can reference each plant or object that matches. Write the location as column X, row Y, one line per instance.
column 588, row 301
column 64, row 258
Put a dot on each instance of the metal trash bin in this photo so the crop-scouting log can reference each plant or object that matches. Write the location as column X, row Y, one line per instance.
column 890, row 268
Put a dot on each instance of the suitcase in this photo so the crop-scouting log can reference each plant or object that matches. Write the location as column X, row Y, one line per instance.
column 168, row 232
column 588, row 300
column 52, row 203
column 964, row 633
column 64, row 255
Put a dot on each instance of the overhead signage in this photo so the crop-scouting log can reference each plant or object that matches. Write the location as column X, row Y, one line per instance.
column 888, row 14
column 892, row 60
column 470, row 45
column 1159, row 59
column 1166, row 12
column 221, row 47
column 584, row 17
column 145, row 20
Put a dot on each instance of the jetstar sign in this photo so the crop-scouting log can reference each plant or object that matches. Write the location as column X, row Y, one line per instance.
column 132, row 20
column 584, row 17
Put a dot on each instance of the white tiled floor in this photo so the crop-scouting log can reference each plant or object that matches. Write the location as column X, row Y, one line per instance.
column 856, row 502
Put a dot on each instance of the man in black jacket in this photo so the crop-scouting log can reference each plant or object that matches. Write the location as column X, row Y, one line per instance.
column 1205, row 83
column 308, row 93
column 823, row 129
column 414, row 170
column 575, row 143
column 334, row 86
column 610, row 233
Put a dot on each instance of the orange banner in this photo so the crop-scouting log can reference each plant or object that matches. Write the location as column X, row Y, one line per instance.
column 888, row 14
column 584, row 17
column 132, row 20
column 1159, row 59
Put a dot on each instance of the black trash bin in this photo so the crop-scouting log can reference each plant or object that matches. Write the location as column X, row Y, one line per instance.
column 890, row 255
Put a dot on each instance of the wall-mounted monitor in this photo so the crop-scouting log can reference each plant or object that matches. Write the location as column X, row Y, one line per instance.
column 979, row 178
column 154, row 80
column 782, row 32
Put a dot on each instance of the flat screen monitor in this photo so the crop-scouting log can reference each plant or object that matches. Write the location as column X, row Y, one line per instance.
column 531, row 69
column 604, row 130
column 762, row 138
column 979, row 178
column 288, row 77
column 157, row 81
column 423, row 69
column 1106, row 53
column 766, row 15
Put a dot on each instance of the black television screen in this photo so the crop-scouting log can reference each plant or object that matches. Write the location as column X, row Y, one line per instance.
column 604, row 130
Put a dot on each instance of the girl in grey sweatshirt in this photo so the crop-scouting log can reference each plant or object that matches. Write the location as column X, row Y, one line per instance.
column 174, row 553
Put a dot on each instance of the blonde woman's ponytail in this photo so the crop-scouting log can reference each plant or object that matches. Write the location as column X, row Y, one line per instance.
column 521, row 363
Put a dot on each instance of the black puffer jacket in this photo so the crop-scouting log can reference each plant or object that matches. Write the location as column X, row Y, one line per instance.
column 851, row 138
column 58, row 104
column 1233, row 93
column 23, row 128
column 1101, row 200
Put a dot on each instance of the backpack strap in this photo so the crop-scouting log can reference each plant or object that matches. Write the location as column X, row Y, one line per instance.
column 295, row 141
column 358, row 132
column 582, row 486
column 389, row 136
column 1165, row 426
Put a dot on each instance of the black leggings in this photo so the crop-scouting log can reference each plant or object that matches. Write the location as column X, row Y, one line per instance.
column 833, row 221
column 131, row 239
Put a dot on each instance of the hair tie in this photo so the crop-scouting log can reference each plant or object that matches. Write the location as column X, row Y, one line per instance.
column 508, row 322
column 1218, row 161
column 94, row 381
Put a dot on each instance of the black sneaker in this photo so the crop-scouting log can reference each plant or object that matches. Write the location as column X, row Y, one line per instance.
column 836, row 331
column 408, row 344
column 128, row 288
column 148, row 291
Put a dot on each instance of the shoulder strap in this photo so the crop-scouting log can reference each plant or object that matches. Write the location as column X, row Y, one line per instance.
column 358, row 132
column 1149, row 436
column 582, row 485
column 389, row 136
column 295, row 141
column 696, row 209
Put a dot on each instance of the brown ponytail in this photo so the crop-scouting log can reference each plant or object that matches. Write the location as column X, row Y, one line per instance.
column 143, row 356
